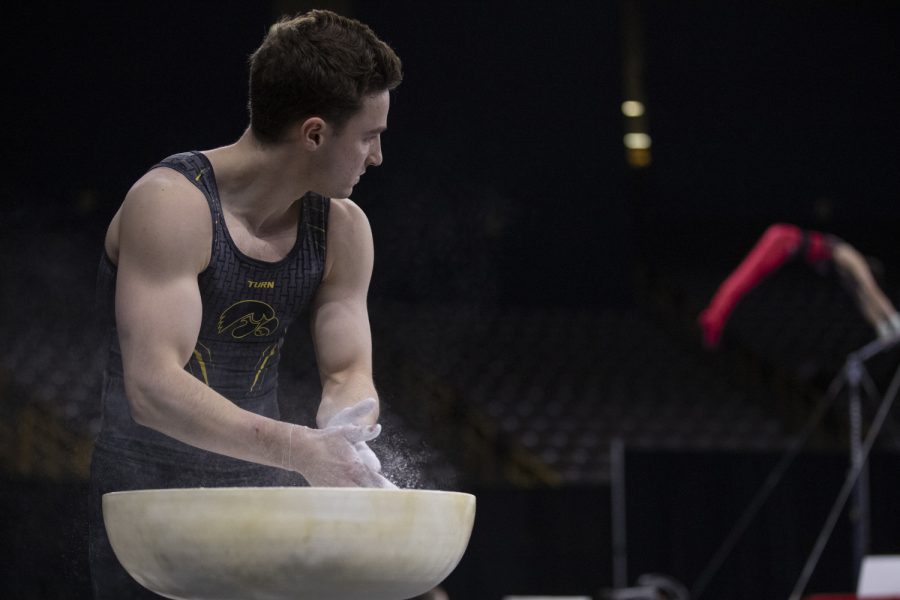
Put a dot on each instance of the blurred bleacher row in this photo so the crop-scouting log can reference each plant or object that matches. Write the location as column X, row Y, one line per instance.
column 475, row 394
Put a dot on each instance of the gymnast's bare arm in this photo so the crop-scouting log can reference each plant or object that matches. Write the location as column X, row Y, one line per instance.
column 854, row 270
column 340, row 320
column 161, row 239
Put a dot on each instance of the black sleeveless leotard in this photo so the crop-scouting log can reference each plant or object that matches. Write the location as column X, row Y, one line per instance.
column 248, row 306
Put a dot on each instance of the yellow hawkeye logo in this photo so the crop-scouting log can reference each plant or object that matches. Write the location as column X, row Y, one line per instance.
column 248, row 317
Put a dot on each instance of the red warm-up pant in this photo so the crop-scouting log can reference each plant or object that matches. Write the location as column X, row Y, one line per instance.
column 779, row 244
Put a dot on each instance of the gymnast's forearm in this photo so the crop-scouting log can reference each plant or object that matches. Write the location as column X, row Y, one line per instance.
column 175, row 403
column 859, row 281
column 180, row 406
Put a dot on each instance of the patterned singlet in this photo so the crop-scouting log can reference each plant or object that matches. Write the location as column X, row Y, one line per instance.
column 248, row 305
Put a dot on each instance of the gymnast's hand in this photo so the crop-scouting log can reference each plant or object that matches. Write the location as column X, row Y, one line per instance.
column 327, row 457
column 353, row 415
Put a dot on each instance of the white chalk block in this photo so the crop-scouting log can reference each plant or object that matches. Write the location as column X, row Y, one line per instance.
column 879, row 577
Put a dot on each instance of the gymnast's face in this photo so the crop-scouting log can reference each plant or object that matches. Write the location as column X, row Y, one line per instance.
column 347, row 152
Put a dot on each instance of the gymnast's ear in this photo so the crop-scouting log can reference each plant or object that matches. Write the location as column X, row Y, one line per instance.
column 312, row 132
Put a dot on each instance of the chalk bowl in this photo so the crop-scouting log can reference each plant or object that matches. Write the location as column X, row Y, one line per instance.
column 289, row 542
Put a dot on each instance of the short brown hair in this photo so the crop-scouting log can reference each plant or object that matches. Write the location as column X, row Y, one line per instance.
column 317, row 63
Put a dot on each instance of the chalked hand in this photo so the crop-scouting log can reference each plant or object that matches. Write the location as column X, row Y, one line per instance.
column 352, row 416
column 328, row 457
column 358, row 435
